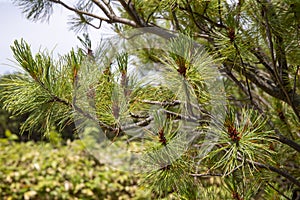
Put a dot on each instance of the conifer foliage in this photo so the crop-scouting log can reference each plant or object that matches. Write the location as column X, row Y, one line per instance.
column 252, row 136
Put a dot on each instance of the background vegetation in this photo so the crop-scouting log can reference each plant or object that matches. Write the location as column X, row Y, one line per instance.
column 46, row 171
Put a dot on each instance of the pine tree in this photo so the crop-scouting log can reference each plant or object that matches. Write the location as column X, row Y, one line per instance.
column 189, row 145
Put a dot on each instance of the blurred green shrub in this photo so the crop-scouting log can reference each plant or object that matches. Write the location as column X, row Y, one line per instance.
column 41, row 171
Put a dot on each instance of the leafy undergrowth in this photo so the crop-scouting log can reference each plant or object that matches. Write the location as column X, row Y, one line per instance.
column 43, row 171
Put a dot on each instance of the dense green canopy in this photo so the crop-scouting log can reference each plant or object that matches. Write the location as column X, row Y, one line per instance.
column 254, row 47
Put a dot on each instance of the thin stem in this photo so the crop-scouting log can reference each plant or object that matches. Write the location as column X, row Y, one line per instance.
column 279, row 192
column 206, row 175
column 244, row 69
column 111, row 18
column 269, row 37
column 276, row 170
column 295, row 82
column 134, row 125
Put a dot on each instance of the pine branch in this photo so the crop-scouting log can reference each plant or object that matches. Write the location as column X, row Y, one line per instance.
column 180, row 116
column 173, row 11
column 286, row 141
column 172, row 103
column 134, row 125
column 243, row 69
column 295, row 83
column 279, row 192
column 130, row 9
column 288, row 176
column 263, row 59
column 107, row 4
column 293, row 104
column 111, row 18
column 206, row 175
column 266, row 87
column 164, row 103
column 279, row 137
column 213, row 23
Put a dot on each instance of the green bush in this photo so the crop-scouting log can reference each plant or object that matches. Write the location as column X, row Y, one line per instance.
column 43, row 171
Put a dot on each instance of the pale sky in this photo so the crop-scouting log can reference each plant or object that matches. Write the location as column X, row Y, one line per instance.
column 54, row 35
